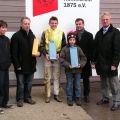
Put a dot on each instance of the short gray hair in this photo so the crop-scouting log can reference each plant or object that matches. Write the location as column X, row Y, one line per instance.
column 106, row 14
column 24, row 18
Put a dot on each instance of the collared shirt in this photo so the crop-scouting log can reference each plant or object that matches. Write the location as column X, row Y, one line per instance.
column 105, row 29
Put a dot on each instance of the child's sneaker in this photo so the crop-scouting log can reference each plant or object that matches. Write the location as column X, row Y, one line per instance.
column 70, row 103
column 78, row 102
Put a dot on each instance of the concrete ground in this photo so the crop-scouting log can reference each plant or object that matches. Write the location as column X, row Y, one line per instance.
column 42, row 110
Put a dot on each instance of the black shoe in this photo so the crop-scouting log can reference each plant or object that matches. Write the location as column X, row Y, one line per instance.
column 30, row 101
column 47, row 99
column 102, row 102
column 20, row 103
column 56, row 97
column 115, row 107
column 87, row 99
column 1, row 111
column 70, row 103
column 7, row 106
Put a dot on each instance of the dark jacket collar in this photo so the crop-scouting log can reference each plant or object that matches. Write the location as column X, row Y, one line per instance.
column 2, row 36
column 80, row 31
column 24, row 32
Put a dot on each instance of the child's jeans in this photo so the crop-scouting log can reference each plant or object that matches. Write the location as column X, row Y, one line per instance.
column 69, row 85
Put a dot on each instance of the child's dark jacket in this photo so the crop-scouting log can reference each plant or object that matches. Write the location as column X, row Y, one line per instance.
column 5, row 58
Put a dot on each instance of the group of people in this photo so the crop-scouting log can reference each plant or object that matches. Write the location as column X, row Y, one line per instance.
column 102, row 53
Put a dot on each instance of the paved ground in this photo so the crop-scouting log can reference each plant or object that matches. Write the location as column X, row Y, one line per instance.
column 101, row 112
column 42, row 110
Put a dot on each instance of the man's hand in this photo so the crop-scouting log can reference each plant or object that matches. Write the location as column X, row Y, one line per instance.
column 19, row 68
column 93, row 66
column 113, row 68
column 37, row 54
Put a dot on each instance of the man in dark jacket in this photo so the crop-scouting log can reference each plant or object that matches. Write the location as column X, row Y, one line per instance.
column 85, row 41
column 24, row 62
column 107, row 57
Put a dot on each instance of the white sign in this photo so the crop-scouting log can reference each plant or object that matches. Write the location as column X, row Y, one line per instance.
column 39, row 11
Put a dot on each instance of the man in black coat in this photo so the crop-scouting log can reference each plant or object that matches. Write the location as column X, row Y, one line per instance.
column 85, row 41
column 24, row 62
column 107, row 57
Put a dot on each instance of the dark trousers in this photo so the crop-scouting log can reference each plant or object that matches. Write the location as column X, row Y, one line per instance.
column 4, row 87
column 24, row 86
column 86, row 86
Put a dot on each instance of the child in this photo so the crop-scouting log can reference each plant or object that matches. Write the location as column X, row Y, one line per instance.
column 72, row 72
column 52, row 67
column 5, row 62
